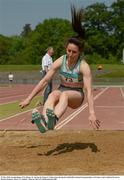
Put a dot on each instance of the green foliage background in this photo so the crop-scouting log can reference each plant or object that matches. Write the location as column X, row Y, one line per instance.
column 103, row 44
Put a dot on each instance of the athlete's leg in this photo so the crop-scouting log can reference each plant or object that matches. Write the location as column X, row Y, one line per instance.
column 69, row 98
column 51, row 101
column 57, row 104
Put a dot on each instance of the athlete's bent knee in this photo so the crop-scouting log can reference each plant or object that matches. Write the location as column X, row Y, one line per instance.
column 64, row 96
column 54, row 95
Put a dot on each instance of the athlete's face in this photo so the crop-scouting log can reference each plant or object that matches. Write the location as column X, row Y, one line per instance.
column 72, row 52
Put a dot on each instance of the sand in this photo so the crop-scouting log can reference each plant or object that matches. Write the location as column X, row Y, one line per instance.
column 62, row 152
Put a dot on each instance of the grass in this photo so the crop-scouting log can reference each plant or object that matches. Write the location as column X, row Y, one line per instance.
column 4, row 85
column 110, row 71
column 113, row 74
column 110, row 67
column 32, row 67
column 11, row 109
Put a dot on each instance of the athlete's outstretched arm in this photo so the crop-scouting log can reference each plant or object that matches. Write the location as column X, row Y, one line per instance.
column 87, row 78
column 42, row 84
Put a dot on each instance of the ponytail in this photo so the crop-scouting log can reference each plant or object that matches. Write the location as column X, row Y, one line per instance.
column 78, row 39
column 77, row 16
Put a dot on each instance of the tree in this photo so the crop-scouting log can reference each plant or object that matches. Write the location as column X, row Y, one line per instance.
column 53, row 32
column 97, row 17
column 97, row 20
column 5, row 44
column 104, row 37
column 105, row 28
column 26, row 30
column 118, row 25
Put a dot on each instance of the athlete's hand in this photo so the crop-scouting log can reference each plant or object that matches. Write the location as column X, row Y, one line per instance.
column 24, row 103
column 95, row 123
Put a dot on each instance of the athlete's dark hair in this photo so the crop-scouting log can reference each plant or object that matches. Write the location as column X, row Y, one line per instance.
column 77, row 27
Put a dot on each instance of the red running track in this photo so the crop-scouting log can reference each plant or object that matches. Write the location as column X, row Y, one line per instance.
column 109, row 107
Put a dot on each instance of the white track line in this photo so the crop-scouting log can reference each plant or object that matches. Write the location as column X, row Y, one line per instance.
column 15, row 115
column 113, row 86
column 109, row 106
column 122, row 92
column 8, row 102
column 70, row 117
column 12, row 96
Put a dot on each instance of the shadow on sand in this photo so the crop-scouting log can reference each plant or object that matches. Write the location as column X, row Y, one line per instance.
column 69, row 147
